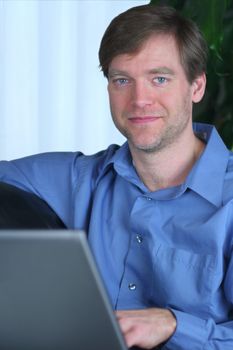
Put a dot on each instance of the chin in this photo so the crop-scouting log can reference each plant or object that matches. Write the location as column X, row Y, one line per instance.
column 147, row 147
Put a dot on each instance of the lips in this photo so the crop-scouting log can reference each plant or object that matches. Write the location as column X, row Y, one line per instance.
column 144, row 119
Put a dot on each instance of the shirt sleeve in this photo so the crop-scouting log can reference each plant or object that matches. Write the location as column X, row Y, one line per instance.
column 62, row 179
column 200, row 334
column 51, row 176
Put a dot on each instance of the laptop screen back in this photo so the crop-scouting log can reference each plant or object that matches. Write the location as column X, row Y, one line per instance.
column 51, row 295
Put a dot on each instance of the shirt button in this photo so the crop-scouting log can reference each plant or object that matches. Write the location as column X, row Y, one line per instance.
column 139, row 238
column 132, row 286
column 149, row 199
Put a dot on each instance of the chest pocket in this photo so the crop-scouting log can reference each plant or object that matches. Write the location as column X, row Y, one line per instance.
column 182, row 278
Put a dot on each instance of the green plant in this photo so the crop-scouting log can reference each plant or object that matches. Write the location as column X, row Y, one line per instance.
column 215, row 19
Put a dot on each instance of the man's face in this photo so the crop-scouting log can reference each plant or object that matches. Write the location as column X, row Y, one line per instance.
column 150, row 96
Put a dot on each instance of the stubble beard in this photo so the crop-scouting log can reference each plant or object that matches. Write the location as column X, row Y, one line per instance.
column 167, row 139
column 168, row 136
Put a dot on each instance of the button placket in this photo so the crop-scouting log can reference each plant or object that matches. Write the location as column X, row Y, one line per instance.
column 132, row 286
column 139, row 238
column 137, row 263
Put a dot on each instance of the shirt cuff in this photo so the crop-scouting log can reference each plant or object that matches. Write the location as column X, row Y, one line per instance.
column 190, row 331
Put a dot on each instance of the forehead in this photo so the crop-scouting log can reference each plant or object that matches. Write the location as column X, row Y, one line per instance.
column 158, row 50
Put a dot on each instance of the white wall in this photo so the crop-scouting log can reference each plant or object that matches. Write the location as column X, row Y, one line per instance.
column 52, row 94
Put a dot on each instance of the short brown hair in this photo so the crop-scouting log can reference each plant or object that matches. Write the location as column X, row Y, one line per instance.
column 128, row 31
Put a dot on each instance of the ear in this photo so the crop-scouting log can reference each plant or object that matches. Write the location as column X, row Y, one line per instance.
column 198, row 88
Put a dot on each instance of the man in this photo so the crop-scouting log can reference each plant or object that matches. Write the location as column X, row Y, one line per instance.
column 158, row 210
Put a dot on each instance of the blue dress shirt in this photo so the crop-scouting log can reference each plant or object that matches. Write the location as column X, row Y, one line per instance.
column 171, row 248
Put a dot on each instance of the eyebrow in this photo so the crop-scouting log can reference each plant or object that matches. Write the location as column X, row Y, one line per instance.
column 159, row 70
column 162, row 70
column 114, row 72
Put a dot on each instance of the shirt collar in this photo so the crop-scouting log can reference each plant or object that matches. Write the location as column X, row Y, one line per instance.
column 206, row 177
column 208, row 174
column 121, row 160
column 123, row 165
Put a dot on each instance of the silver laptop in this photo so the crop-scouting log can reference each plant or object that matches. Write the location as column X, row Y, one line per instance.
column 51, row 295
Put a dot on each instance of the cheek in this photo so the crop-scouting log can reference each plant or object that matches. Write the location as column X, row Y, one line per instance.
column 115, row 106
column 118, row 101
column 176, row 101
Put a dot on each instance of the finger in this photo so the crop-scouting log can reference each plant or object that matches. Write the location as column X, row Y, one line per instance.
column 133, row 336
column 146, row 328
column 131, row 329
column 129, row 313
column 125, row 323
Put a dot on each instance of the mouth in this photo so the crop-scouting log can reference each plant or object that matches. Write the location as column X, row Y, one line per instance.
column 144, row 119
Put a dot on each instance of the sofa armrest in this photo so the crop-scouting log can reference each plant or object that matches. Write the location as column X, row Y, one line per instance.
column 21, row 209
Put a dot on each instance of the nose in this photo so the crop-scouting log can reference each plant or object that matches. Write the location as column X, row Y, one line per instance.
column 141, row 95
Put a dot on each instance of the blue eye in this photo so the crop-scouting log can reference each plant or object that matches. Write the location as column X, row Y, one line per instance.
column 160, row 80
column 121, row 81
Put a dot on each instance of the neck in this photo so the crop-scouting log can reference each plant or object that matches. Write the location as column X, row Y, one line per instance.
column 168, row 167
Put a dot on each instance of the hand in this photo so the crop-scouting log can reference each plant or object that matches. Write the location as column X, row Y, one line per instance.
column 146, row 328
